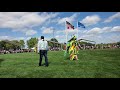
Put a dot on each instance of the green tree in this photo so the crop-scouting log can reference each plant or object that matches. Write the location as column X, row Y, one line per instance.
column 54, row 40
column 32, row 42
column 3, row 44
column 15, row 44
column 50, row 44
column 83, row 42
column 118, row 43
column 22, row 44
column 0, row 45
column 8, row 45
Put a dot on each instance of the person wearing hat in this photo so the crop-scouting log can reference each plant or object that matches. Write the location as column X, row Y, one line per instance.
column 42, row 49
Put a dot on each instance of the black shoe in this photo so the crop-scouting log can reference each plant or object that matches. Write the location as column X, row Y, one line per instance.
column 40, row 65
column 46, row 65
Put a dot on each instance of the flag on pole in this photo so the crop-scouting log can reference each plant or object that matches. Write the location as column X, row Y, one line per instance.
column 69, row 26
column 81, row 25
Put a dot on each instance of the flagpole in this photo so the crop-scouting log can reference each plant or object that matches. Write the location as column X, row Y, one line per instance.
column 53, row 38
column 77, row 30
column 66, row 35
column 66, row 39
column 66, row 32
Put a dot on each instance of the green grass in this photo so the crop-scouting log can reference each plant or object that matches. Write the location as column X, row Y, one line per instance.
column 91, row 64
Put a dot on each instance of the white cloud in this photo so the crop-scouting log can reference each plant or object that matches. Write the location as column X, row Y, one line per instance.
column 114, row 38
column 60, row 36
column 116, row 28
column 106, row 29
column 19, row 38
column 57, row 36
column 11, row 38
column 31, row 32
column 95, row 34
column 11, row 19
column 86, row 36
column 5, row 37
column 47, row 30
column 19, row 21
column 97, row 38
column 70, row 30
column 90, row 20
column 69, row 19
column 94, row 31
column 35, row 19
column 111, row 18
column 26, row 31
column 60, row 31
column 99, row 34
column 28, row 38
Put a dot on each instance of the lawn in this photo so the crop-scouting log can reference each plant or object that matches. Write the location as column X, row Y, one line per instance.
column 91, row 64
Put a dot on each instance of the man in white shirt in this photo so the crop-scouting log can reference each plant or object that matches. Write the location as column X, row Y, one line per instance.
column 42, row 49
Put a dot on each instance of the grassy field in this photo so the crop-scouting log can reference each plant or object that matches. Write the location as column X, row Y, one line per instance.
column 91, row 64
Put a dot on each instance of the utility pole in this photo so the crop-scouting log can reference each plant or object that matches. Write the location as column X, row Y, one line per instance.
column 53, row 33
column 53, row 36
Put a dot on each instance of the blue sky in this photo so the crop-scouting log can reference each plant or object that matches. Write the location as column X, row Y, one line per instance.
column 101, row 27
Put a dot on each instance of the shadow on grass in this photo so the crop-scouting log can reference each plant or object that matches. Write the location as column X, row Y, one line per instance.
column 1, row 60
column 44, row 63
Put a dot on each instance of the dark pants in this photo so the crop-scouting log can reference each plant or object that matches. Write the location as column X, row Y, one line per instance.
column 43, row 53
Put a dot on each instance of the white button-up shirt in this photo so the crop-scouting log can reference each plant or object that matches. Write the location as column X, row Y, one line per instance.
column 42, row 45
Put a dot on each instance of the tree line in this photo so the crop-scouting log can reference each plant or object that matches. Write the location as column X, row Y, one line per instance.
column 13, row 44
column 20, row 44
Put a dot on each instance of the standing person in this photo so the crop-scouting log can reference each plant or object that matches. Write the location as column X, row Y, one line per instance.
column 42, row 49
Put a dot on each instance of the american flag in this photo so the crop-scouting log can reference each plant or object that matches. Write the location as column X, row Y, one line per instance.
column 69, row 26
